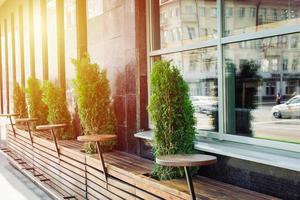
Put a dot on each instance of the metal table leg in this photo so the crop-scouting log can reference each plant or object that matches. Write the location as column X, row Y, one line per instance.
column 55, row 142
column 101, row 159
column 32, row 147
column 190, row 182
column 12, row 126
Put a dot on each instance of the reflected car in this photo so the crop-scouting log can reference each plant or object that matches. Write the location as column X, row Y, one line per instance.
column 289, row 109
column 204, row 104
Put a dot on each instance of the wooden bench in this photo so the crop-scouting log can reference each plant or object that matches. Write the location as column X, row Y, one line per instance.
column 77, row 174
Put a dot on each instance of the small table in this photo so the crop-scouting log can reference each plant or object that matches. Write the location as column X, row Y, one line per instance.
column 52, row 127
column 186, row 161
column 27, row 120
column 98, row 139
column 10, row 115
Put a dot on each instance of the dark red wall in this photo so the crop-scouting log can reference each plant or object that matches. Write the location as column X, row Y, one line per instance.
column 117, row 41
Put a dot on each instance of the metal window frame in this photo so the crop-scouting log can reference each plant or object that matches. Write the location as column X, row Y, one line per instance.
column 219, row 43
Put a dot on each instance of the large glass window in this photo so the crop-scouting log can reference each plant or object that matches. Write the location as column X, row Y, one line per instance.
column 199, row 69
column 256, row 15
column 183, row 22
column 262, row 80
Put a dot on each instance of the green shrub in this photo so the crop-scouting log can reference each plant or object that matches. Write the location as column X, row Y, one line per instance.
column 19, row 101
column 58, row 113
column 36, row 107
column 93, row 99
column 172, row 113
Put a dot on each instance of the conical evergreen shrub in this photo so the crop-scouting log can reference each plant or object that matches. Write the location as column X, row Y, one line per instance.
column 58, row 113
column 36, row 107
column 93, row 98
column 19, row 101
column 171, row 112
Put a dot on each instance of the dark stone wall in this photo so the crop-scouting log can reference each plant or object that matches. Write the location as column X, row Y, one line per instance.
column 117, row 41
column 274, row 181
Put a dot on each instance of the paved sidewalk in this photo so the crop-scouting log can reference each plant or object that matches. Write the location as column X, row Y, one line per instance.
column 15, row 186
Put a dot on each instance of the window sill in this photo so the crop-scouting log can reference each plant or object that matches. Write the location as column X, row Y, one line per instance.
column 268, row 156
column 145, row 135
column 263, row 155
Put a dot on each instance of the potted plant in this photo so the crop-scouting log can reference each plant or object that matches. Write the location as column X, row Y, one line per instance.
column 171, row 112
column 58, row 113
column 36, row 107
column 94, row 102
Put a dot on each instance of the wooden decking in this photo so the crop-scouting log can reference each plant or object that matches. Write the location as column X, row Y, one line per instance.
column 76, row 175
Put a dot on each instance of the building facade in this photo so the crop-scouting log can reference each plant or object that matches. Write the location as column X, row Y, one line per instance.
column 236, row 56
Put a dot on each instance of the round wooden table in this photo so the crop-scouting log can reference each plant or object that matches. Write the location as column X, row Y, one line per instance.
column 98, row 139
column 27, row 121
column 186, row 161
column 51, row 127
column 9, row 116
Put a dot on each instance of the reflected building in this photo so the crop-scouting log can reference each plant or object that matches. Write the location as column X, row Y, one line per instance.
column 184, row 22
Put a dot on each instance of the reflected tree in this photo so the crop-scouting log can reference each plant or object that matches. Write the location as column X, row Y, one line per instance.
column 246, row 84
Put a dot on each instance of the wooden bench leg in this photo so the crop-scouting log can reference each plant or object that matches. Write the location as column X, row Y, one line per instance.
column 55, row 142
column 190, row 182
column 101, row 159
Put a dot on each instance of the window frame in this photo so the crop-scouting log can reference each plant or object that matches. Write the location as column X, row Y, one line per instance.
column 220, row 42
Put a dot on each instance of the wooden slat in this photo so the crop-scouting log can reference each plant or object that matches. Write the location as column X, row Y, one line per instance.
column 76, row 173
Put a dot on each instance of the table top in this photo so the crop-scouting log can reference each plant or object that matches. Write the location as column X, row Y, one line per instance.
column 186, row 160
column 50, row 126
column 9, row 115
column 26, row 119
column 96, row 138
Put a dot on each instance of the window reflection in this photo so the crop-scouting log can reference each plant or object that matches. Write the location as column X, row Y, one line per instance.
column 199, row 69
column 254, row 15
column 184, row 21
column 260, row 74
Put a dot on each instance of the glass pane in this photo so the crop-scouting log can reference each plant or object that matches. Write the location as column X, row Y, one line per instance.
column 263, row 88
column 181, row 22
column 199, row 69
column 255, row 15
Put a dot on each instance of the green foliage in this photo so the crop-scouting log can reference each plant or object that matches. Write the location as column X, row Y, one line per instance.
column 58, row 113
column 172, row 113
column 93, row 98
column 19, row 100
column 36, row 107
column 90, row 147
